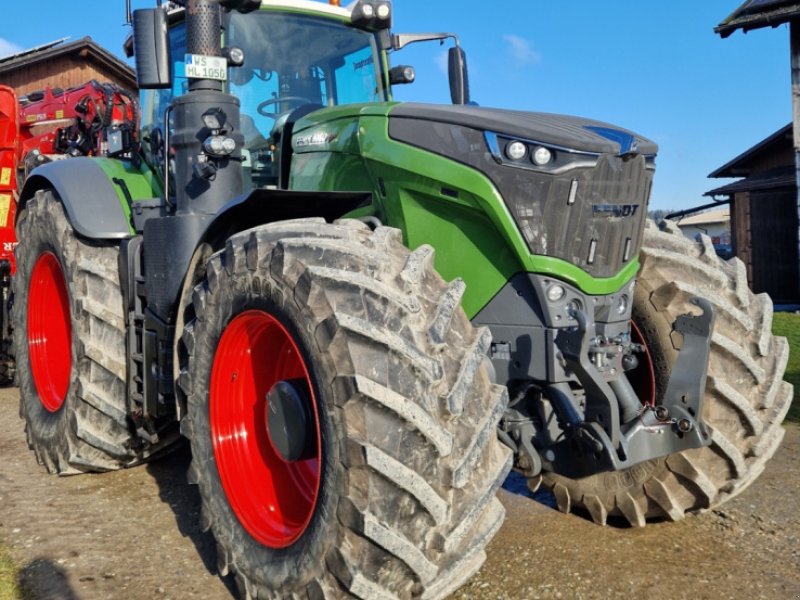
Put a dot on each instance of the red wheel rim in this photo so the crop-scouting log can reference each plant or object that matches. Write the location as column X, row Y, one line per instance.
column 643, row 377
column 49, row 332
column 274, row 500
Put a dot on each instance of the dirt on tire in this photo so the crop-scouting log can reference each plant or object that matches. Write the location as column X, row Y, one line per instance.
column 407, row 458
column 135, row 534
column 745, row 399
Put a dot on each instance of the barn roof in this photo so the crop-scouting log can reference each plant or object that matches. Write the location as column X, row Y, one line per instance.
column 755, row 14
column 85, row 47
column 780, row 177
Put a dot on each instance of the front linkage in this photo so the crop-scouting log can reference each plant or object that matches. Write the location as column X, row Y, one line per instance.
column 590, row 419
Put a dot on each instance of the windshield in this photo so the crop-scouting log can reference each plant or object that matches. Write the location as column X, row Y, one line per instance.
column 292, row 60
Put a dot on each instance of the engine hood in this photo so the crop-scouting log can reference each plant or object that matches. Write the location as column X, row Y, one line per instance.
column 573, row 133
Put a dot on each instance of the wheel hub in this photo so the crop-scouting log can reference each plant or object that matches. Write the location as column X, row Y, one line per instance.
column 290, row 426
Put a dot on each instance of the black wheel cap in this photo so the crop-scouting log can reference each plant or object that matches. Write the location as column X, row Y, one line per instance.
column 290, row 425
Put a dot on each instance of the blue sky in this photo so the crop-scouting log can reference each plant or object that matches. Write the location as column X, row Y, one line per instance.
column 654, row 67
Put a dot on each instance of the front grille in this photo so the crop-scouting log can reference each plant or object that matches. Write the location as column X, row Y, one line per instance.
column 590, row 216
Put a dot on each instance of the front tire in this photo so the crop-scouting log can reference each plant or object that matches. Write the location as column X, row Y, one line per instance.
column 408, row 461
column 69, row 334
column 746, row 398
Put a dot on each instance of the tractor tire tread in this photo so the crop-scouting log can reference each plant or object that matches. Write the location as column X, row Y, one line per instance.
column 96, row 434
column 746, row 398
column 422, row 505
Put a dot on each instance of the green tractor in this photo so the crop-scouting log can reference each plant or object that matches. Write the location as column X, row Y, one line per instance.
column 364, row 314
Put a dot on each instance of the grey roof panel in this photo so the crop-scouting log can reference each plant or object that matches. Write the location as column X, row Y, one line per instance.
column 782, row 177
column 755, row 14
column 758, row 5
column 49, row 51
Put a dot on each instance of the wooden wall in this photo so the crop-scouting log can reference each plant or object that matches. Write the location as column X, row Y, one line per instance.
column 773, row 228
column 62, row 71
column 740, row 230
column 764, row 226
column 780, row 158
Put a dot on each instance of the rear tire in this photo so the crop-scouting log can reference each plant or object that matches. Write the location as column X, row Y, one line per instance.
column 405, row 411
column 746, row 399
column 69, row 331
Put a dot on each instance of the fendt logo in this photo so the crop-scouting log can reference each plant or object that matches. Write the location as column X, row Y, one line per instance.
column 607, row 211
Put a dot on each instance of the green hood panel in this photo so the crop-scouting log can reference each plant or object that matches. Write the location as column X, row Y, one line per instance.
column 431, row 198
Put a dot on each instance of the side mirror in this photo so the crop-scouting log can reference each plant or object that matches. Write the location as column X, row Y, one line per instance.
column 457, row 72
column 151, row 48
column 402, row 74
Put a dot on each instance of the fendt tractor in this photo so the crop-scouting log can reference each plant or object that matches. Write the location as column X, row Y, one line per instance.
column 363, row 314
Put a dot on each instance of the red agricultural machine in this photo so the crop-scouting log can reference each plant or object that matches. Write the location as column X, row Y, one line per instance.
column 93, row 119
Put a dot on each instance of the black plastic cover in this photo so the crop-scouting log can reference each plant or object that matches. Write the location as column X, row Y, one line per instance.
column 591, row 214
column 151, row 48
column 569, row 132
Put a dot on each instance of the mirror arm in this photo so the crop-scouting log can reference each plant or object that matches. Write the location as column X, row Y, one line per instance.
column 401, row 40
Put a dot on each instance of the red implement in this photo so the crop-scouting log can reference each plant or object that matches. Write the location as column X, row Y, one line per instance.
column 50, row 124
column 9, row 156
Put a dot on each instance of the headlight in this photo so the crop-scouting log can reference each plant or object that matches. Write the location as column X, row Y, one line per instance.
column 384, row 11
column 622, row 307
column 217, row 145
column 542, row 156
column 516, row 150
column 235, row 56
column 368, row 11
column 214, row 119
column 556, row 292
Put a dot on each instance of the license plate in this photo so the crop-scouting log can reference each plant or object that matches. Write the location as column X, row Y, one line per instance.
column 199, row 66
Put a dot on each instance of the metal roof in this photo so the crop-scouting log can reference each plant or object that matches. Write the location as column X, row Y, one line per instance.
column 38, row 48
column 755, row 14
column 53, row 49
column 782, row 177
column 720, row 215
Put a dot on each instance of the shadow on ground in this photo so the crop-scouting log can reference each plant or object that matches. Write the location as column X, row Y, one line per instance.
column 518, row 485
column 169, row 474
column 45, row 580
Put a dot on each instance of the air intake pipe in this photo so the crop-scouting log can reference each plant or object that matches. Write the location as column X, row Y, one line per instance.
column 205, row 181
column 203, row 34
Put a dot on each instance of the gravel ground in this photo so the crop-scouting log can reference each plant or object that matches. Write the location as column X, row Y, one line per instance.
column 133, row 535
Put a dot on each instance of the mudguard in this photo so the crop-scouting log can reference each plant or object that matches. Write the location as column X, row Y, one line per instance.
column 259, row 207
column 96, row 203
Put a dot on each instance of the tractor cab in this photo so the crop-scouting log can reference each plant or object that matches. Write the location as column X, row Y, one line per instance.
column 282, row 62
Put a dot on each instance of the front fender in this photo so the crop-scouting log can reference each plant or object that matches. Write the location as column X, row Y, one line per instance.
column 96, row 193
column 260, row 207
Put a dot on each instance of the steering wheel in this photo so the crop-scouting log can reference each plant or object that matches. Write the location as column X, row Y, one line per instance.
column 261, row 108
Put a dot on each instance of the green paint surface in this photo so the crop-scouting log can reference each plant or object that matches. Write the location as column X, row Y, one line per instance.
column 141, row 183
column 432, row 199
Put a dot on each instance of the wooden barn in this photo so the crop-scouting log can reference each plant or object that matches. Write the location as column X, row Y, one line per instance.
column 63, row 64
column 765, row 204
column 763, row 209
